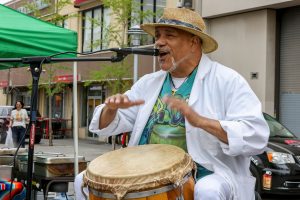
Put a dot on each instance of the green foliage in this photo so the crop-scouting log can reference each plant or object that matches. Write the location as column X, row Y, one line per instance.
column 32, row 8
column 47, row 83
column 51, row 87
column 123, row 12
column 55, row 17
column 115, row 76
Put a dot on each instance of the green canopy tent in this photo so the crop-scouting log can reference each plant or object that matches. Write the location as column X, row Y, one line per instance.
column 25, row 36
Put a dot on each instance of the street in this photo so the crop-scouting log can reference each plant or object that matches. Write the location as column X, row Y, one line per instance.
column 91, row 149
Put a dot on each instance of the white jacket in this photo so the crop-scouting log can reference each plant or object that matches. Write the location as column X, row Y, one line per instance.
column 218, row 93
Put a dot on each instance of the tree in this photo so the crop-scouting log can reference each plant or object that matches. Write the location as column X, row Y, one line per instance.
column 50, row 87
column 118, row 76
column 124, row 12
column 56, row 18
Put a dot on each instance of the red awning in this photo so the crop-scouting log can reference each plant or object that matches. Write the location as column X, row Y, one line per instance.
column 65, row 78
column 78, row 3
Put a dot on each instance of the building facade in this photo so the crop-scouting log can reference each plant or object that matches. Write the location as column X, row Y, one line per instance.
column 90, row 19
column 260, row 39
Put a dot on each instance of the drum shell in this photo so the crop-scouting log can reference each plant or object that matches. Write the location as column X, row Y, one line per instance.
column 188, row 193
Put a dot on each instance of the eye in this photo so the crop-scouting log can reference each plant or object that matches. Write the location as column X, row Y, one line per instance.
column 156, row 37
column 170, row 35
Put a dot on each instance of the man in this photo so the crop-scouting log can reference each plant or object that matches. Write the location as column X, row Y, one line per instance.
column 199, row 105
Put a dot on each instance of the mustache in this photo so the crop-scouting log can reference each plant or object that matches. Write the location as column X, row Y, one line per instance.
column 162, row 49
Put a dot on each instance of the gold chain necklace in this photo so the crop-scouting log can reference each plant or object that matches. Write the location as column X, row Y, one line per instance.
column 174, row 89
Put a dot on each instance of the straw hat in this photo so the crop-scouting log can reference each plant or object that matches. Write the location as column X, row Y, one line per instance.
column 187, row 20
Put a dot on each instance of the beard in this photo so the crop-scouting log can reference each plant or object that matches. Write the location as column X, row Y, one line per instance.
column 174, row 64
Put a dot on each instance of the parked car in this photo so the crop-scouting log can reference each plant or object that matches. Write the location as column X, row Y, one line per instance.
column 277, row 170
column 4, row 121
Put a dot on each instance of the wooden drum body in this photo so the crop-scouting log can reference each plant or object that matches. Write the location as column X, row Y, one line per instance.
column 146, row 172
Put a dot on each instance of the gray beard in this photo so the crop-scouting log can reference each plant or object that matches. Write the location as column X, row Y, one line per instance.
column 175, row 64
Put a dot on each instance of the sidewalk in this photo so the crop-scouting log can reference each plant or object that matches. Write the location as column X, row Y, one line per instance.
column 90, row 149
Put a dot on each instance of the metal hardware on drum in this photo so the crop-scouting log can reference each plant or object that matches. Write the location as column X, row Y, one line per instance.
column 142, row 194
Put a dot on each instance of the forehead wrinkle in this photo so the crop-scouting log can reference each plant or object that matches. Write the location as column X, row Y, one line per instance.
column 166, row 29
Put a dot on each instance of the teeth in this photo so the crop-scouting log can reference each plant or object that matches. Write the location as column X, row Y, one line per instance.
column 163, row 53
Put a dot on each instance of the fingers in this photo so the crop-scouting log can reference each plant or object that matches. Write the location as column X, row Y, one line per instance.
column 176, row 104
column 121, row 101
column 181, row 106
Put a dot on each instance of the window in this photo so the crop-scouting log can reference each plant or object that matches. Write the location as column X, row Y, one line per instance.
column 152, row 11
column 57, row 105
column 94, row 23
column 63, row 22
column 23, row 96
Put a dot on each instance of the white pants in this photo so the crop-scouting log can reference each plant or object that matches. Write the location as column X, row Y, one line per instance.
column 77, row 187
column 211, row 187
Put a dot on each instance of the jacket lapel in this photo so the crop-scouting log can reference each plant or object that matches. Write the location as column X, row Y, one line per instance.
column 203, row 68
column 152, row 90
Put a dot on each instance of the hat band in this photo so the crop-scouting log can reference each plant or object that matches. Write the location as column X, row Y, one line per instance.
column 177, row 22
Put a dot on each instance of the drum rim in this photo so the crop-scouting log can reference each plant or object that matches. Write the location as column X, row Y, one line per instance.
column 91, row 172
column 141, row 194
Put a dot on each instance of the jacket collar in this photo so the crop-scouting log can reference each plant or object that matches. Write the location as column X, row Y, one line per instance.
column 204, row 68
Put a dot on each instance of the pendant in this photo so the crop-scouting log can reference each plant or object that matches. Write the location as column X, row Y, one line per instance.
column 173, row 92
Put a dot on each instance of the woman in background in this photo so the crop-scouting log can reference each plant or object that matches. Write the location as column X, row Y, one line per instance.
column 17, row 122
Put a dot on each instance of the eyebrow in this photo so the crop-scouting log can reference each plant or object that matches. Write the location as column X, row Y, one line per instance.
column 167, row 31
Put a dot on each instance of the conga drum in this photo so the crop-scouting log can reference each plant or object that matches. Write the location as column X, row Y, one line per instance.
column 146, row 172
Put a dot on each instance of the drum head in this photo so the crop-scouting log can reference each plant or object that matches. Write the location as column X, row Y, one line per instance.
column 138, row 168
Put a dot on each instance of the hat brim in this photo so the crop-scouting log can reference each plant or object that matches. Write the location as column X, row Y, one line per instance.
column 209, row 44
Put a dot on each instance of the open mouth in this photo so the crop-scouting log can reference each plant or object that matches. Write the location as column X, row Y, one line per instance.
column 163, row 53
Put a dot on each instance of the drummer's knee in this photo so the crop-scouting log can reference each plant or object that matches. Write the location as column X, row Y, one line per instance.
column 205, row 192
column 78, row 179
column 211, row 187
column 77, row 186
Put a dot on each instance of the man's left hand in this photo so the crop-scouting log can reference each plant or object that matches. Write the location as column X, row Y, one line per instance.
column 181, row 106
column 210, row 125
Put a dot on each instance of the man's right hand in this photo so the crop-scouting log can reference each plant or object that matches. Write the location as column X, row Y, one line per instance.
column 121, row 101
column 112, row 104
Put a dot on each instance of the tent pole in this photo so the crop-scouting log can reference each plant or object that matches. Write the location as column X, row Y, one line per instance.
column 75, row 119
column 35, row 69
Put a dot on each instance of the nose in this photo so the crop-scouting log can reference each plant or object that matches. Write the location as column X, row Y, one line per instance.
column 160, row 42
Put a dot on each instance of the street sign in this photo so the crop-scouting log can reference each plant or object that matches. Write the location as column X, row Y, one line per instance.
column 3, row 84
column 65, row 78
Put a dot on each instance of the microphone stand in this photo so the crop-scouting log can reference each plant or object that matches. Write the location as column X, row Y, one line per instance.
column 36, row 69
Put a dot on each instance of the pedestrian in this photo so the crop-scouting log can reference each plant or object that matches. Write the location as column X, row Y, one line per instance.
column 17, row 123
column 199, row 105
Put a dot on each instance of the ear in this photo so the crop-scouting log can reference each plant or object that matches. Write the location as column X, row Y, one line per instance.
column 195, row 41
